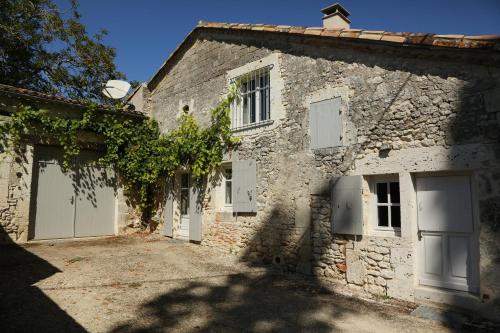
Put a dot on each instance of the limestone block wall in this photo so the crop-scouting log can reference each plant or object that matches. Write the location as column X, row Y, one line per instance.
column 392, row 99
column 380, row 265
column 15, row 192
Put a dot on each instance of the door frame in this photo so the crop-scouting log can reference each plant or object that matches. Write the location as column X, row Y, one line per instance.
column 474, row 285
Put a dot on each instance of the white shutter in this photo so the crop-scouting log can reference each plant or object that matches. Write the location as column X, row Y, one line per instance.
column 325, row 124
column 244, row 186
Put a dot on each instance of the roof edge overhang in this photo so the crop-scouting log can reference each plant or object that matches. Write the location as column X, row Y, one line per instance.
column 34, row 96
column 426, row 40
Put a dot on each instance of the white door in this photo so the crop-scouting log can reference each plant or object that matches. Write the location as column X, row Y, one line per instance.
column 184, row 203
column 55, row 199
column 447, row 243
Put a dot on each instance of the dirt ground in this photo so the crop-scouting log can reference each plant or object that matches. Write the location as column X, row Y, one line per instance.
column 154, row 285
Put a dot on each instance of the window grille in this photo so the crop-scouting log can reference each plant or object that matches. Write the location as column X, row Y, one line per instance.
column 253, row 103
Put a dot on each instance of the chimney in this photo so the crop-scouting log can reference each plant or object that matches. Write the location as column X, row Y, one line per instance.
column 335, row 17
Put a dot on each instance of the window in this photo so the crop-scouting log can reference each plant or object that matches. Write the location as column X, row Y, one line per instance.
column 388, row 205
column 252, row 105
column 228, row 187
column 185, row 194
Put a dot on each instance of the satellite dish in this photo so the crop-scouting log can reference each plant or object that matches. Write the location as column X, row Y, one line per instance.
column 116, row 89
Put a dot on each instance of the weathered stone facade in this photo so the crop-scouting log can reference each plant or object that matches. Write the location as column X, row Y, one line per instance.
column 407, row 112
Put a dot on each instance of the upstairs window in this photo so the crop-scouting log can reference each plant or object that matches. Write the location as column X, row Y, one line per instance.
column 253, row 104
column 388, row 205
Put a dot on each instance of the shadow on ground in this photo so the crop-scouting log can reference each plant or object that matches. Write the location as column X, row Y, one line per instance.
column 249, row 302
column 24, row 307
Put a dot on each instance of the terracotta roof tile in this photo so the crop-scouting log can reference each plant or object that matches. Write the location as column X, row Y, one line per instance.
column 372, row 35
column 350, row 33
column 313, row 31
column 484, row 37
column 331, row 33
column 297, row 30
column 424, row 39
column 394, row 38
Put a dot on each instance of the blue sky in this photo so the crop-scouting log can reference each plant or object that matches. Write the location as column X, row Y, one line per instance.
column 146, row 32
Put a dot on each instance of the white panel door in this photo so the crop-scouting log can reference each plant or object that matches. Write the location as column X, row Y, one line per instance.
column 55, row 199
column 447, row 239
column 95, row 198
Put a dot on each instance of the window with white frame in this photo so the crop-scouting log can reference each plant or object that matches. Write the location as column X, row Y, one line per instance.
column 253, row 104
column 388, row 205
column 185, row 194
column 228, row 187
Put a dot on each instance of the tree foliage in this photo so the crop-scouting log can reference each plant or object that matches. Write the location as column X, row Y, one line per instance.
column 135, row 148
column 49, row 50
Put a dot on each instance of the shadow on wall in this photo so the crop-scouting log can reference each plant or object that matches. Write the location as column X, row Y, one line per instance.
column 24, row 307
column 478, row 121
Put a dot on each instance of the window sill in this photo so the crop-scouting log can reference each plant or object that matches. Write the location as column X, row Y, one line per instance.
column 386, row 232
column 252, row 126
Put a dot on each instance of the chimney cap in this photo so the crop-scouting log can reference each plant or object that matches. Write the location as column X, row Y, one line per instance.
column 334, row 9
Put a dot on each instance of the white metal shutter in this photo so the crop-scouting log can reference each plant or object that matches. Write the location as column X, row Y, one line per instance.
column 95, row 197
column 347, row 205
column 326, row 124
column 195, row 215
column 168, row 212
column 244, row 186
column 55, row 200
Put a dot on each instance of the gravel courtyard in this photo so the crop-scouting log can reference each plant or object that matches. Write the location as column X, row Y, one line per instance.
column 133, row 284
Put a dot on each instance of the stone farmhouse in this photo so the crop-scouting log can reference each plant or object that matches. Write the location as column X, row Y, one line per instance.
column 369, row 157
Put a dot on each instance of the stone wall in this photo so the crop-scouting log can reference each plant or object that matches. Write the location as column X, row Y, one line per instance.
column 406, row 111
column 15, row 187
column 380, row 265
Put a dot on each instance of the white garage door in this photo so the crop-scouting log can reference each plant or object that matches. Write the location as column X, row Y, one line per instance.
column 76, row 203
column 448, row 241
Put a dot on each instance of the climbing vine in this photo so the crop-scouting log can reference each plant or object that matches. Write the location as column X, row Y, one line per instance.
column 135, row 148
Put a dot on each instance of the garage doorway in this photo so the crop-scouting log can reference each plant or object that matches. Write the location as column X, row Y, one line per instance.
column 448, row 237
column 75, row 203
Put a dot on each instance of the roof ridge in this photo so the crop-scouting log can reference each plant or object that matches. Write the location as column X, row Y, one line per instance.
column 489, row 42
column 416, row 38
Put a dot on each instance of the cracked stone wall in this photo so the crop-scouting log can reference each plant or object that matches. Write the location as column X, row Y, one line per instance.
column 405, row 111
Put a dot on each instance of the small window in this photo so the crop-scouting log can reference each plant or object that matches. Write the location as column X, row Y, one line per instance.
column 388, row 205
column 253, row 103
column 185, row 194
column 228, row 187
